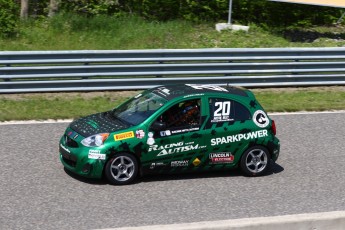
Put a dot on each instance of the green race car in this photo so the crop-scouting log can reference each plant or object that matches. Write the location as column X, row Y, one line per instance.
column 173, row 129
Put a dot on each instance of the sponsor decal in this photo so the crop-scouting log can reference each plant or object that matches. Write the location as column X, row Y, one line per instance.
column 163, row 91
column 153, row 165
column 222, row 112
column 72, row 134
column 211, row 87
column 165, row 133
column 150, row 140
column 185, row 130
column 179, row 163
column 221, row 119
column 220, row 158
column 123, row 136
column 140, row 134
column 238, row 137
column 179, row 147
column 194, row 95
column 196, row 162
column 96, row 154
column 137, row 96
column 64, row 148
column 158, row 164
column 260, row 119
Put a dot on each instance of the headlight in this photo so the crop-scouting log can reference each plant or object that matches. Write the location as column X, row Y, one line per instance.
column 95, row 140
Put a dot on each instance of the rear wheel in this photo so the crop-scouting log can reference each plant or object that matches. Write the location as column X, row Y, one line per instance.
column 255, row 161
column 121, row 169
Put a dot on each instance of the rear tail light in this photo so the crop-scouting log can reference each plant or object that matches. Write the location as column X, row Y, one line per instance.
column 274, row 129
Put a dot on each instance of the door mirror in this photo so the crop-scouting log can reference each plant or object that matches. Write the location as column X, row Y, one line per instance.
column 158, row 126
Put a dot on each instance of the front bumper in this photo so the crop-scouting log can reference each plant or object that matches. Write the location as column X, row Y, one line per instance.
column 76, row 159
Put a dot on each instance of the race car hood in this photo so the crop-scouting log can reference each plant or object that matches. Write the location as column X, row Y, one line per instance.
column 97, row 123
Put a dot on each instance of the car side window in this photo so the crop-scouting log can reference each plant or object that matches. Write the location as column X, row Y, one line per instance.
column 241, row 112
column 223, row 110
column 183, row 114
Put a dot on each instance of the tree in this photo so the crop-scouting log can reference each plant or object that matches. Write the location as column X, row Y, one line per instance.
column 8, row 18
column 24, row 9
column 53, row 7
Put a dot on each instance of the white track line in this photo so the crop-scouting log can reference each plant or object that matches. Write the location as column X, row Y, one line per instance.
column 322, row 221
column 49, row 121
column 307, row 113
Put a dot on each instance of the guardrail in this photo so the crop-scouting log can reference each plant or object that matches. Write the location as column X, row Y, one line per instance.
column 49, row 71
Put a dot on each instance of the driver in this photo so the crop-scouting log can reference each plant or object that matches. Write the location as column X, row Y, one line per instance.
column 187, row 113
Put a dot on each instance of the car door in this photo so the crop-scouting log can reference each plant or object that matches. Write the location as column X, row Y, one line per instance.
column 228, row 121
column 174, row 138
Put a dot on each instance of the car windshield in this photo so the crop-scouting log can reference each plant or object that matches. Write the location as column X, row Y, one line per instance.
column 139, row 108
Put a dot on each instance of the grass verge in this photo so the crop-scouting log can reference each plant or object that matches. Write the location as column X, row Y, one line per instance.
column 72, row 32
column 302, row 99
column 73, row 105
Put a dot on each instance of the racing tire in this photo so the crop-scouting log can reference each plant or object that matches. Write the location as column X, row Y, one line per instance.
column 121, row 169
column 255, row 161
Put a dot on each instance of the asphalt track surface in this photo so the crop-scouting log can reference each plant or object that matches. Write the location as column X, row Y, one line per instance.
column 36, row 192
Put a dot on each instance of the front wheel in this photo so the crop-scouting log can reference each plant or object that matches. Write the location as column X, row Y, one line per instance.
column 255, row 161
column 121, row 169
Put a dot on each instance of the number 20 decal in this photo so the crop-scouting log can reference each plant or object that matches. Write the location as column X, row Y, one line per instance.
column 223, row 108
